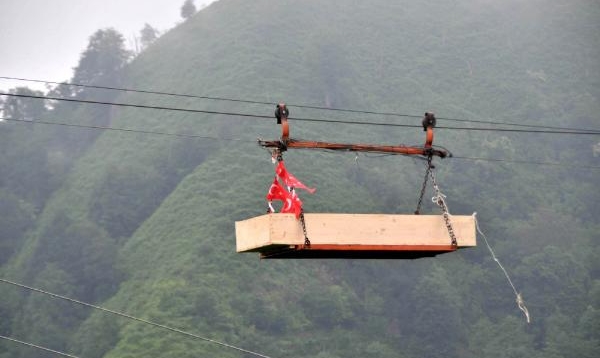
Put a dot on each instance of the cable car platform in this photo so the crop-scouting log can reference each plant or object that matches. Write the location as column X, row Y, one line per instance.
column 353, row 236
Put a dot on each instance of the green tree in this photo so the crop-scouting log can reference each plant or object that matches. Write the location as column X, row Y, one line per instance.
column 566, row 336
column 102, row 61
column 15, row 217
column 22, row 107
column 437, row 313
column 24, row 159
column 148, row 35
column 329, row 307
column 505, row 339
column 45, row 320
column 188, row 9
column 84, row 251
column 556, row 278
column 96, row 336
column 126, row 197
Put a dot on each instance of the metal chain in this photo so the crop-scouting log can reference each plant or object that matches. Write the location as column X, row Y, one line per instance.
column 276, row 154
column 439, row 200
column 303, row 223
column 429, row 166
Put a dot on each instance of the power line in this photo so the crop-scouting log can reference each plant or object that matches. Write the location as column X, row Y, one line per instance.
column 128, row 130
column 141, row 320
column 518, row 124
column 134, row 105
column 580, row 132
column 162, row 93
column 30, row 121
column 580, row 166
column 570, row 131
column 395, row 114
column 38, row 347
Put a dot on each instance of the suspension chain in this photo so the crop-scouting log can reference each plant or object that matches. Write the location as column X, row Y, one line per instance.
column 429, row 166
column 439, row 200
column 303, row 223
column 276, row 156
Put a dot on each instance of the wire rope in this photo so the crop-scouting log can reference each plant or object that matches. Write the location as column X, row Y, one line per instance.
column 184, row 135
column 528, row 162
column 38, row 347
column 333, row 109
column 128, row 130
column 191, row 110
column 133, row 318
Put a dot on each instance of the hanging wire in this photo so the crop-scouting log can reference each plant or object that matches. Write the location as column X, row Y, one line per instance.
column 395, row 114
column 367, row 155
column 120, row 314
column 132, row 105
column 518, row 296
column 247, row 115
column 38, row 347
column 184, row 135
column 528, row 162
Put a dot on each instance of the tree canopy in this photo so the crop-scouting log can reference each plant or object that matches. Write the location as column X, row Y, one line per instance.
column 103, row 59
column 188, row 9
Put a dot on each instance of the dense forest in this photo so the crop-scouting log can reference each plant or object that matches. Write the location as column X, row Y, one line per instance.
column 143, row 223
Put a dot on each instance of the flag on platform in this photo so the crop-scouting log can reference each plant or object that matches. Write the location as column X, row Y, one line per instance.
column 277, row 192
column 292, row 204
column 291, row 201
column 289, row 179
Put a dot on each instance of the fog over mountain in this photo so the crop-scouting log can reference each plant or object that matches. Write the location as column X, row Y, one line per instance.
column 130, row 205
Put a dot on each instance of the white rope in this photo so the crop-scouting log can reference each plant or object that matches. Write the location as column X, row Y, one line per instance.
column 519, row 298
column 439, row 199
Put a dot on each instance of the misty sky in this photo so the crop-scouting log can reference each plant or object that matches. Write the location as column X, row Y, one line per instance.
column 43, row 39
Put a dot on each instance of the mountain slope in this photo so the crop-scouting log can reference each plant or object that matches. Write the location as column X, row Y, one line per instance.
column 144, row 224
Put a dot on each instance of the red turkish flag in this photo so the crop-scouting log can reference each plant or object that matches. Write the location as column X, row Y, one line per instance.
column 292, row 204
column 291, row 201
column 289, row 179
column 277, row 192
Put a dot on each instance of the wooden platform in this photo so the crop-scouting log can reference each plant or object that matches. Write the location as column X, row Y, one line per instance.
column 357, row 236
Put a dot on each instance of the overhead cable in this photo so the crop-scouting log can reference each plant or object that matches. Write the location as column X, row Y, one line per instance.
column 185, row 135
column 133, row 105
column 121, row 89
column 129, row 130
column 395, row 114
column 581, row 166
column 237, row 114
column 38, row 347
column 141, row 320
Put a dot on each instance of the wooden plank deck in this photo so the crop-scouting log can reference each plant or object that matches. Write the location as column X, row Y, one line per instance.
column 353, row 235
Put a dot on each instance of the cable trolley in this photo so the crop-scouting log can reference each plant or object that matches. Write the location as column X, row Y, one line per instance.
column 293, row 234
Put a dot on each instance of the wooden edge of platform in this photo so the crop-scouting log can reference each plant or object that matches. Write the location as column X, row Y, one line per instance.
column 353, row 247
column 332, row 251
column 353, row 232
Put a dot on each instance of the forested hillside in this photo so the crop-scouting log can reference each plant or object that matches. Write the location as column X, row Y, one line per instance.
column 143, row 223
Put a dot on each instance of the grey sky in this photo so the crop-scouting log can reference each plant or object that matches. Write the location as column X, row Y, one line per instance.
column 43, row 39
